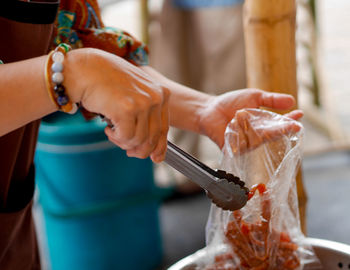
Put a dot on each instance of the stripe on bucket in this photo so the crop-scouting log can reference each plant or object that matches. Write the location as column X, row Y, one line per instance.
column 69, row 211
column 73, row 149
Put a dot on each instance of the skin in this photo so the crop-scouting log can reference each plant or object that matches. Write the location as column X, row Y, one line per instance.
column 140, row 102
column 250, row 128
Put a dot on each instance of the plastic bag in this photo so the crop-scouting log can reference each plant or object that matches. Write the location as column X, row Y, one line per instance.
column 262, row 148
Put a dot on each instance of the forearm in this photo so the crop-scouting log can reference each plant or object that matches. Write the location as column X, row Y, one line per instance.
column 23, row 94
column 185, row 104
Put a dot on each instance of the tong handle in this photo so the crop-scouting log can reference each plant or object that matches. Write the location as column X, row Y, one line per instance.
column 174, row 157
column 189, row 166
column 225, row 190
column 225, row 194
column 192, row 159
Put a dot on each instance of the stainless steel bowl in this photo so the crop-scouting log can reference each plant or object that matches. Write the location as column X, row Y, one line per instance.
column 332, row 255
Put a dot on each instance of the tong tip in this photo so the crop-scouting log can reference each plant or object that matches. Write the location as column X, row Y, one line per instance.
column 231, row 196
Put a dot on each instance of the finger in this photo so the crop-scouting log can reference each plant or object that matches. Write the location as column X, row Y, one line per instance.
column 241, row 142
column 276, row 101
column 164, row 126
column 142, row 151
column 154, row 127
column 219, row 136
column 108, row 131
column 110, row 134
column 296, row 114
column 158, row 155
column 252, row 131
column 141, row 130
column 137, row 153
column 275, row 132
column 247, row 135
column 159, row 152
column 236, row 136
column 124, row 130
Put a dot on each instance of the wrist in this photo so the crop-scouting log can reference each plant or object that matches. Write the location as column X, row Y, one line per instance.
column 188, row 110
column 202, row 113
column 75, row 78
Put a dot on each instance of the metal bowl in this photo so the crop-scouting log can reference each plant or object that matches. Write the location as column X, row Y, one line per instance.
column 332, row 255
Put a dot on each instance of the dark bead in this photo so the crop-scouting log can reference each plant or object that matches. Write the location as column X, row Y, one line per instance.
column 59, row 89
column 62, row 100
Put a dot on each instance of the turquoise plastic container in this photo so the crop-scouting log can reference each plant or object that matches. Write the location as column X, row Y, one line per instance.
column 100, row 207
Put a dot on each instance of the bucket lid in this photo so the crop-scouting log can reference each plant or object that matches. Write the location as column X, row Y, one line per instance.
column 65, row 129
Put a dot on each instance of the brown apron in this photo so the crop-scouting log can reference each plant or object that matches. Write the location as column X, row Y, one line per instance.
column 25, row 32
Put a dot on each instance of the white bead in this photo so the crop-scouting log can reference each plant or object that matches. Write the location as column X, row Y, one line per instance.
column 57, row 78
column 57, row 67
column 74, row 109
column 58, row 57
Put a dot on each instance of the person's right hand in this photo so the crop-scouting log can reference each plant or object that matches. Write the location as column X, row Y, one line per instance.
column 137, row 105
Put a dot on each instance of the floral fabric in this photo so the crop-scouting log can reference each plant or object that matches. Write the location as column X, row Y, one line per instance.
column 79, row 24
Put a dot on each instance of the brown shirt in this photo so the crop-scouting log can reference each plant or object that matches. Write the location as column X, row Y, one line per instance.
column 21, row 37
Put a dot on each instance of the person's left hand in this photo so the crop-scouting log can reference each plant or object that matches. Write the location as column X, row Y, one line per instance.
column 221, row 109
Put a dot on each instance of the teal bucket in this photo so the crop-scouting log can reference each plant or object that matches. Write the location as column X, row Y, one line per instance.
column 100, row 207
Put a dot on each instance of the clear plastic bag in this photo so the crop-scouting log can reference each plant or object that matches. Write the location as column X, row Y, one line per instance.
column 262, row 148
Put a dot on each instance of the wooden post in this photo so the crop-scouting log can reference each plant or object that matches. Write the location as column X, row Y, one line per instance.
column 269, row 27
column 144, row 20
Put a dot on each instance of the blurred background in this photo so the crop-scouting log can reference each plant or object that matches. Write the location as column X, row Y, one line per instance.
column 201, row 44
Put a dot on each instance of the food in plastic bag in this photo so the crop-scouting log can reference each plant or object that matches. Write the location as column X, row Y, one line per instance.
column 264, row 150
column 249, row 242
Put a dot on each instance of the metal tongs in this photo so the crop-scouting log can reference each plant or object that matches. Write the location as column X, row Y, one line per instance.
column 224, row 189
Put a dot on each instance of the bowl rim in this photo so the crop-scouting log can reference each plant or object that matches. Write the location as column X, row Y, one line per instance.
column 314, row 242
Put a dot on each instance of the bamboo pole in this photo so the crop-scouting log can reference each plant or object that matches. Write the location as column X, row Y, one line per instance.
column 269, row 27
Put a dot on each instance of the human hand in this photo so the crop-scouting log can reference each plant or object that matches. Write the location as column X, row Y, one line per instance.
column 136, row 104
column 221, row 109
column 250, row 128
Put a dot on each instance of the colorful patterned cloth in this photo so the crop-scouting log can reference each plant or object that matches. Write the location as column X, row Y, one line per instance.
column 79, row 24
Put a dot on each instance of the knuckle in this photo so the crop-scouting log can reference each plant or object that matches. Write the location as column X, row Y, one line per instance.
column 255, row 91
column 128, row 105
column 125, row 136
column 139, row 139
column 145, row 102
column 166, row 93
column 157, row 99
column 157, row 96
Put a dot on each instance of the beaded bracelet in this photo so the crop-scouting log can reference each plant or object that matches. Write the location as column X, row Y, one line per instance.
column 54, row 79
